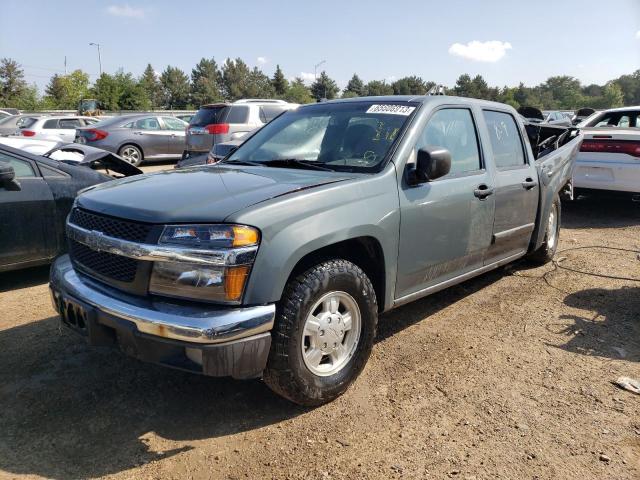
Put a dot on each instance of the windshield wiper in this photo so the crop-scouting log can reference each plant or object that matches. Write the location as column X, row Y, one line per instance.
column 294, row 162
column 244, row 162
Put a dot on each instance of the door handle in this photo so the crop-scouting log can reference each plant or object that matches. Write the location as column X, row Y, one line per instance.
column 137, row 133
column 483, row 191
column 529, row 183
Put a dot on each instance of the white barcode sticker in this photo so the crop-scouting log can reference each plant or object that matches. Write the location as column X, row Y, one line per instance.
column 391, row 109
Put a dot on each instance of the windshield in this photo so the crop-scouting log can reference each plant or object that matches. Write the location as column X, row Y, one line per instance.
column 350, row 136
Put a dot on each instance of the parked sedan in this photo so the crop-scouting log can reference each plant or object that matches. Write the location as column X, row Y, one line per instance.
column 36, row 195
column 609, row 159
column 137, row 138
column 58, row 128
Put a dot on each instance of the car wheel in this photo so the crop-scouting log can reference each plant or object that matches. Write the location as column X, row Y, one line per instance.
column 323, row 334
column 545, row 253
column 131, row 154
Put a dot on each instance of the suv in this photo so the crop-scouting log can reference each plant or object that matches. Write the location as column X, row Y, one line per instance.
column 221, row 122
column 59, row 129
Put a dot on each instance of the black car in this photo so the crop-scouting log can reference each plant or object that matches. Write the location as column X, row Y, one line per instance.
column 36, row 195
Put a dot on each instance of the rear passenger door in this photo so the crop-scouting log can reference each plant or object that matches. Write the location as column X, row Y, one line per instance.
column 67, row 128
column 516, row 188
column 149, row 134
column 239, row 123
column 447, row 223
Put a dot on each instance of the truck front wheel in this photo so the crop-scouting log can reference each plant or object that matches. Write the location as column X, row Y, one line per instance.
column 544, row 254
column 323, row 334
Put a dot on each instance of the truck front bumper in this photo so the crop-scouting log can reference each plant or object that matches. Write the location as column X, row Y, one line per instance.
column 201, row 338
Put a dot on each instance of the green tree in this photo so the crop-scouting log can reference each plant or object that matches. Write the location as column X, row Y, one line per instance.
column 206, row 81
column 279, row 82
column 324, row 87
column 258, row 85
column 107, row 92
column 298, row 92
column 412, row 85
column 12, row 83
column 235, row 78
column 150, row 84
column 378, row 87
column 175, row 87
column 565, row 92
column 55, row 91
column 612, row 95
column 355, row 87
column 630, row 86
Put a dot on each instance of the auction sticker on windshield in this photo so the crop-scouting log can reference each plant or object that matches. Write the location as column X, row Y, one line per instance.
column 391, row 109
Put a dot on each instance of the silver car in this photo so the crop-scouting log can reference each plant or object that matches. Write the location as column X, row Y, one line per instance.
column 11, row 124
column 137, row 138
column 222, row 122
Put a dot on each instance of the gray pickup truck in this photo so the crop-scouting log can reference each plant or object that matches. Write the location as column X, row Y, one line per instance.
column 277, row 262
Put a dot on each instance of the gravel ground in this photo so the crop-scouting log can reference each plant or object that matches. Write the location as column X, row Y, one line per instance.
column 505, row 376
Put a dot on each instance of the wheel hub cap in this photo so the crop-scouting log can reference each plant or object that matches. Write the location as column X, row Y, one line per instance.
column 331, row 333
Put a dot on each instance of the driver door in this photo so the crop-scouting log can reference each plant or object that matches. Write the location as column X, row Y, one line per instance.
column 446, row 224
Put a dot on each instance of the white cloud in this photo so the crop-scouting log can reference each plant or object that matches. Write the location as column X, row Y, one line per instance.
column 262, row 60
column 490, row 51
column 638, row 34
column 126, row 11
column 307, row 77
column 391, row 79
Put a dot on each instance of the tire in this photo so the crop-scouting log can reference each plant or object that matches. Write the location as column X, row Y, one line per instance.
column 545, row 253
column 132, row 154
column 291, row 368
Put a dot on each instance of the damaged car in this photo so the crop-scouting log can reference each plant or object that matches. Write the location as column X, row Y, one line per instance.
column 36, row 194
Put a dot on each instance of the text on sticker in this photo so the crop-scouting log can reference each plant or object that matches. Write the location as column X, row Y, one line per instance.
column 391, row 109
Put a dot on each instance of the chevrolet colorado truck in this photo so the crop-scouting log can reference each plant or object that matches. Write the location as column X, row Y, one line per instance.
column 277, row 261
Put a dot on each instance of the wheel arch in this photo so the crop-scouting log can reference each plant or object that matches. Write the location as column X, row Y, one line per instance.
column 133, row 144
column 366, row 252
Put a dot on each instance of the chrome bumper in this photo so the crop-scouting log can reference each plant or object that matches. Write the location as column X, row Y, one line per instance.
column 196, row 324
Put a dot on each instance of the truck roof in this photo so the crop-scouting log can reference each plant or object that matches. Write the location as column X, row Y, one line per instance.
column 421, row 99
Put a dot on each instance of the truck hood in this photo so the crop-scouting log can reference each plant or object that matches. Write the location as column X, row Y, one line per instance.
column 204, row 194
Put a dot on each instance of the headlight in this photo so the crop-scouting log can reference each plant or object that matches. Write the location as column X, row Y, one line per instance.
column 209, row 236
column 224, row 283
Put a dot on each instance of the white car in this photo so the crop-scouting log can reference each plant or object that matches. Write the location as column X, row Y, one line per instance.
column 609, row 158
column 56, row 128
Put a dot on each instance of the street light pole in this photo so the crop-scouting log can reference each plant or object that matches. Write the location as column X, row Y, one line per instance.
column 99, row 58
column 315, row 69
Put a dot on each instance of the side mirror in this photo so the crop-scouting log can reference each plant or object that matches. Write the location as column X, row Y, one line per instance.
column 8, row 177
column 431, row 163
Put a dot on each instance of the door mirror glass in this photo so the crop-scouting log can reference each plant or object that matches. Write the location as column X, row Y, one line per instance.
column 431, row 163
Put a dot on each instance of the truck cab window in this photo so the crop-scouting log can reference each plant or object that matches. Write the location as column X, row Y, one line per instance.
column 505, row 139
column 453, row 129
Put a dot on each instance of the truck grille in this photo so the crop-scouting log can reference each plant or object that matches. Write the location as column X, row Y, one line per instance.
column 114, row 227
column 121, row 272
column 108, row 265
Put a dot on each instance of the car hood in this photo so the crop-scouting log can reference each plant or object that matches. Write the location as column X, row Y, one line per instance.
column 201, row 194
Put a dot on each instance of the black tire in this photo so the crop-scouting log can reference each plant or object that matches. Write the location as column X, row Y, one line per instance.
column 545, row 253
column 286, row 372
column 129, row 158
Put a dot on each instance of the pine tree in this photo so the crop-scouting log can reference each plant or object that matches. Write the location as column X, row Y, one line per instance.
column 355, row 87
column 151, row 86
column 206, row 82
column 279, row 82
column 175, row 87
column 12, row 83
column 324, row 87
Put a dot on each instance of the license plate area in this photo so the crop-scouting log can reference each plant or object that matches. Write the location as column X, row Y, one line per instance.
column 74, row 315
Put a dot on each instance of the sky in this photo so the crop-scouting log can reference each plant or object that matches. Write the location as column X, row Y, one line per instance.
column 506, row 41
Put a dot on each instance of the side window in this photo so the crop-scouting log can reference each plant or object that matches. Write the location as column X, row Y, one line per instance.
column 506, row 141
column 49, row 172
column 70, row 123
column 173, row 123
column 150, row 123
column 269, row 112
column 453, row 129
column 238, row 114
column 50, row 124
column 22, row 168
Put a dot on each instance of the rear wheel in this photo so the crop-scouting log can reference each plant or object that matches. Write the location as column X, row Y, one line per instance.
column 324, row 333
column 547, row 250
column 131, row 154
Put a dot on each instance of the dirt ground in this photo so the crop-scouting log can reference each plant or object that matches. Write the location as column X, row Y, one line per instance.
column 505, row 376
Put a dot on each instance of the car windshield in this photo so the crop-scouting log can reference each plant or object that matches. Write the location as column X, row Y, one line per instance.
column 349, row 136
